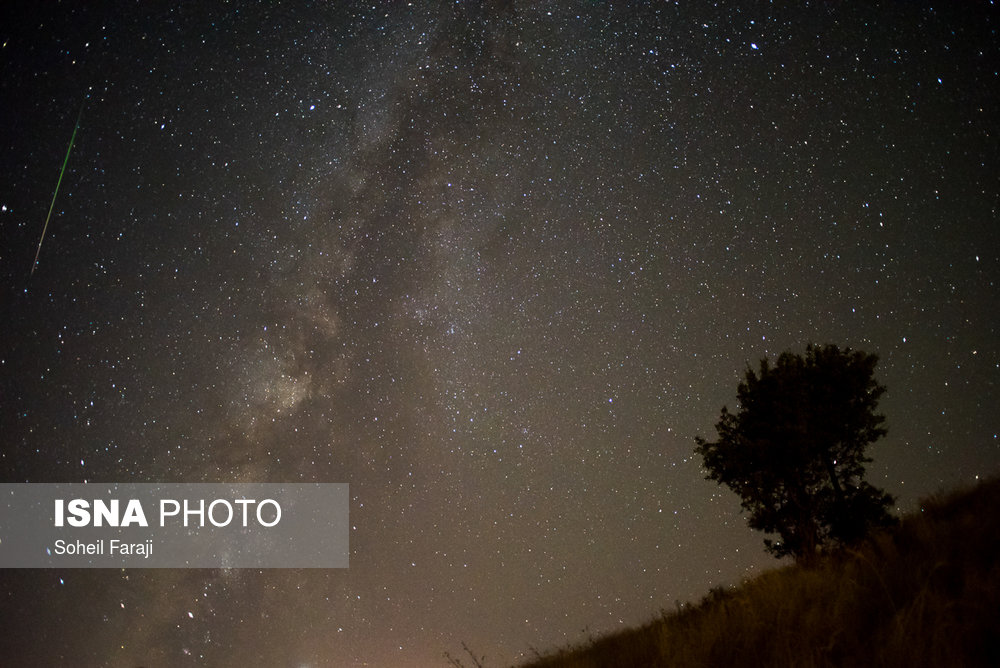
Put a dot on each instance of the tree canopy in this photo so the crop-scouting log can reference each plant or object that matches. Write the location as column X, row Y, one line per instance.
column 795, row 450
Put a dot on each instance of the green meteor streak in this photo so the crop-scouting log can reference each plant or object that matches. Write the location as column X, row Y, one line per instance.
column 58, row 183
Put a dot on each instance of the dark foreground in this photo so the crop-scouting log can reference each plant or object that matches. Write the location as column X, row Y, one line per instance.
column 926, row 593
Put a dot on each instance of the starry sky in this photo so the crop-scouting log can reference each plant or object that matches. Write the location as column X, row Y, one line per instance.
column 492, row 264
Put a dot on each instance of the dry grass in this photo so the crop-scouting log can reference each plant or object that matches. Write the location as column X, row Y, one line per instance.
column 926, row 593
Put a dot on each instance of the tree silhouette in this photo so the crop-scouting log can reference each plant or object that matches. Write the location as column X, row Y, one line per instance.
column 795, row 450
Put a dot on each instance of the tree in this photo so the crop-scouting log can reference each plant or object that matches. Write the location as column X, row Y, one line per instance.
column 795, row 450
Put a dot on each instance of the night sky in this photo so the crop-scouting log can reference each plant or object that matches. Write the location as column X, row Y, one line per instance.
column 495, row 265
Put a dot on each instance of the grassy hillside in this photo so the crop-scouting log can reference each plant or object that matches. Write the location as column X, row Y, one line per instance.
column 926, row 593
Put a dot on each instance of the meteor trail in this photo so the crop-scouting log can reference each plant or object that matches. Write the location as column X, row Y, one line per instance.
column 58, row 183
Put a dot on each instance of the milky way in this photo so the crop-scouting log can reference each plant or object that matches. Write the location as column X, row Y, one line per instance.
column 492, row 264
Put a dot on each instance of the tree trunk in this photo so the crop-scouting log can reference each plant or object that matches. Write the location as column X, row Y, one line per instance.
column 838, row 491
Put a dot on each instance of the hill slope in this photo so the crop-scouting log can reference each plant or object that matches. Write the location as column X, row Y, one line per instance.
column 926, row 593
